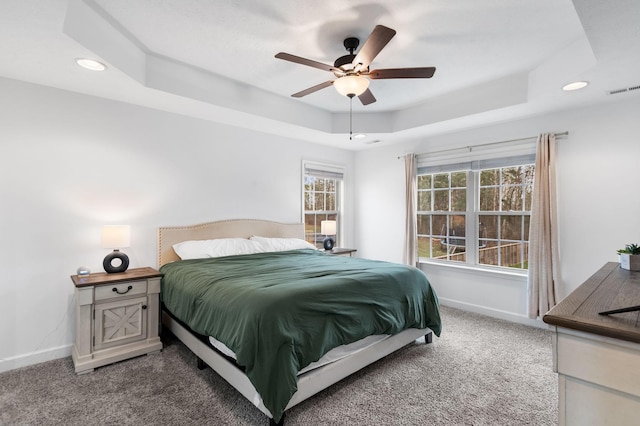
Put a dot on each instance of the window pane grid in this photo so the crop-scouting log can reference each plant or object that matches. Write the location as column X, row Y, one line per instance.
column 320, row 203
column 442, row 216
column 501, row 217
column 505, row 193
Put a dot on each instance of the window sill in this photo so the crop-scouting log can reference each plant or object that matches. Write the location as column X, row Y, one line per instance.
column 487, row 270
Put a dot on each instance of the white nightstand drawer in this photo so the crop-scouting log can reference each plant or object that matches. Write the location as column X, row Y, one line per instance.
column 125, row 289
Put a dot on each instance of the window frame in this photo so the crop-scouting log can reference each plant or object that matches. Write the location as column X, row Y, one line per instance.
column 326, row 171
column 523, row 213
column 472, row 214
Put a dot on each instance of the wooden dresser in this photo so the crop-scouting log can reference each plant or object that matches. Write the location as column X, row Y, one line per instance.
column 597, row 357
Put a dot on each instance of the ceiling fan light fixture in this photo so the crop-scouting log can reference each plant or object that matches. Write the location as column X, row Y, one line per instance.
column 351, row 85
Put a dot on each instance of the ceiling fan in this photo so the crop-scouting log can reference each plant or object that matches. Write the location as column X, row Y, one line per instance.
column 352, row 71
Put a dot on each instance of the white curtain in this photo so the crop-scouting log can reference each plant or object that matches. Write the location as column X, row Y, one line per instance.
column 543, row 235
column 410, row 256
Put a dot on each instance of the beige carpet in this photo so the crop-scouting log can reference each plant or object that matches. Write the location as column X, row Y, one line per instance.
column 482, row 371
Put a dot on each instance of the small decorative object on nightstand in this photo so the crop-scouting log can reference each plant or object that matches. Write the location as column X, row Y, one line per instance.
column 83, row 271
column 117, row 317
column 342, row 251
column 328, row 228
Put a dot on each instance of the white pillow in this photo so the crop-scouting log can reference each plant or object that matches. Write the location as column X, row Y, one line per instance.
column 281, row 244
column 200, row 249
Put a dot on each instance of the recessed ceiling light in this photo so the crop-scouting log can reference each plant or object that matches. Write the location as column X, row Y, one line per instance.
column 91, row 64
column 359, row 136
column 576, row 85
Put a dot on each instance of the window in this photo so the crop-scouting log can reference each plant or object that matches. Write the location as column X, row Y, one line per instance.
column 504, row 216
column 322, row 199
column 489, row 200
column 442, row 206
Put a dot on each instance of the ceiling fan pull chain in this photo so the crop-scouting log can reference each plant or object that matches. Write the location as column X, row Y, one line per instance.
column 350, row 118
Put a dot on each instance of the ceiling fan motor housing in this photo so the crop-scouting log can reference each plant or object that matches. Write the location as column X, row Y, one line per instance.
column 345, row 62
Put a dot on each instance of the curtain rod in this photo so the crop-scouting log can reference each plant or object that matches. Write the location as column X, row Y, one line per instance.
column 470, row 147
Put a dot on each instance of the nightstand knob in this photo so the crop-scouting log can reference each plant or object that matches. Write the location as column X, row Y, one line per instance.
column 124, row 292
column 144, row 306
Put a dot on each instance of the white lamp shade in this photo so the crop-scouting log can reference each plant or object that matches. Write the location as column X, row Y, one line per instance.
column 328, row 227
column 116, row 236
column 351, row 85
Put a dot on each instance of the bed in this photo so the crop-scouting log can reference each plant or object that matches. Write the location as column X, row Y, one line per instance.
column 285, row 309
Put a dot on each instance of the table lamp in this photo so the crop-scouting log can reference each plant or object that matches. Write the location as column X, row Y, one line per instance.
column 116, row 237
column 328, row 228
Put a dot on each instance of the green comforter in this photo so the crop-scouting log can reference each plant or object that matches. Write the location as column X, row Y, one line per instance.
column 281, row 311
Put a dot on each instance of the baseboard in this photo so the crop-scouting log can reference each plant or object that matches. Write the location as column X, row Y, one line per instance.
column 495, row 313
column 25, row 360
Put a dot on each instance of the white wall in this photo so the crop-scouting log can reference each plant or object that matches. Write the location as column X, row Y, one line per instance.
column 70, row 163
column 599, row 200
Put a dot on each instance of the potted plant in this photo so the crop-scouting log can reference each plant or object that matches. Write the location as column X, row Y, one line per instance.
column 630, row 257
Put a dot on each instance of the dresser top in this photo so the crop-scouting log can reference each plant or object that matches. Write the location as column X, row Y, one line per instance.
column 609, row 288
column 104, row 278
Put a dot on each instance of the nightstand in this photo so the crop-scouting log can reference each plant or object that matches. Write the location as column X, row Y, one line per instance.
column 117, row 317
column 341, row 251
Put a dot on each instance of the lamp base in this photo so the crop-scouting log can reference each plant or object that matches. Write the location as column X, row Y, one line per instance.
column 108, row 266
column 328, row 243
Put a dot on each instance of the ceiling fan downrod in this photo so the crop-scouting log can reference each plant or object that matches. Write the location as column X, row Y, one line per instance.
column 345, row 63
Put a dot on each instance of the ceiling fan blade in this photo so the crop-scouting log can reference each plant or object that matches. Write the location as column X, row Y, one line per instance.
column 367, row 97
column 425, row 72
column 303, row 61
column 377, row 40
column 312, row 89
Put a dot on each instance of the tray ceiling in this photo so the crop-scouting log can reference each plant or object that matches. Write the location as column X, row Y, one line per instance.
column 495, row 60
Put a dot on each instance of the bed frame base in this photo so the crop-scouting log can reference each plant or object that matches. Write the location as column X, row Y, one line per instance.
column 428, row 338
column 309, row 383
column 201, row 364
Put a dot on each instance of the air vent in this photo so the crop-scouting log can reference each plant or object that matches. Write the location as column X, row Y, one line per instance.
column 624, row 90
